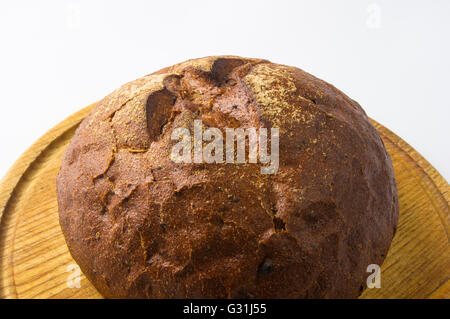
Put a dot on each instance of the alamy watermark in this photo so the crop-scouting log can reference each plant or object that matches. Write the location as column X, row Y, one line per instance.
column 74, row 278
column 73, row 20
column 373, row 19
column 374, row 280
column 190, row 150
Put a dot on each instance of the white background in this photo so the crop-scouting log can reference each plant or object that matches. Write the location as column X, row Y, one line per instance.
column 393, row 57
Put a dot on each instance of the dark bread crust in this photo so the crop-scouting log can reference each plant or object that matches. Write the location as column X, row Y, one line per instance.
column 141, row 226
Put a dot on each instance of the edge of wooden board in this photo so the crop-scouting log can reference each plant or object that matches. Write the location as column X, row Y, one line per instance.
column 15, row 174
column 439, row 185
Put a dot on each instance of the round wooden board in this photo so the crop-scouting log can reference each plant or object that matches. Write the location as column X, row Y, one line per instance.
column 35, row 261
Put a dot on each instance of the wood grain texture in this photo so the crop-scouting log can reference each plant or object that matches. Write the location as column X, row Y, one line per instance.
column 34, row 258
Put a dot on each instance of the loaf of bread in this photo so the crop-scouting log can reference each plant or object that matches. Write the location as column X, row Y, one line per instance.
column 143, row 225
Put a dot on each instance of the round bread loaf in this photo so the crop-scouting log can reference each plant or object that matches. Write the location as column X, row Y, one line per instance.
column 141, row 225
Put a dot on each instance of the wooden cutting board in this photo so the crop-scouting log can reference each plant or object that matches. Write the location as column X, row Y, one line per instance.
column 35, row 261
